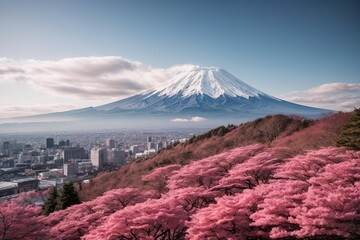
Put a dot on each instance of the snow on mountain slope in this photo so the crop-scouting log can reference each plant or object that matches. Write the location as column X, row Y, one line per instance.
column 192, row 87
column 211, row 81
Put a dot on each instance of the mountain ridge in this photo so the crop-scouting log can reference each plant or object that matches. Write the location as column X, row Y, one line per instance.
column 205, row 88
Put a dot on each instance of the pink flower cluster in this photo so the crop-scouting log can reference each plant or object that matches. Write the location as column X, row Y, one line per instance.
column 245, row 193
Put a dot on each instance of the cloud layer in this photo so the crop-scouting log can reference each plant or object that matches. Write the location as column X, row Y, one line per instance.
column 337, row 96
column 85, row 77
column 193, row 119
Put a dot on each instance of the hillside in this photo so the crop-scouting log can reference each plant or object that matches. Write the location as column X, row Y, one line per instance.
column 279, row 178
column 288, row 136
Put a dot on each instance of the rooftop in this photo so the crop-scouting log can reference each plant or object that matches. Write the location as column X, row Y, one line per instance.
column 7, row 185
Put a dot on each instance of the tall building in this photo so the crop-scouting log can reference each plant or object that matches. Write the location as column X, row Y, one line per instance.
column 62, row 143
column 72, row 153
column 110, row 143
column 149, row 139
column 151, row 145
column 11, row 148
column 50, row 143
column 6, row 148
column 159, row 146
column 134, row 149
column 98, row 157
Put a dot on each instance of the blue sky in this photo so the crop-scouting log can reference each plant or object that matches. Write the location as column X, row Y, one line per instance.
column 284, row 48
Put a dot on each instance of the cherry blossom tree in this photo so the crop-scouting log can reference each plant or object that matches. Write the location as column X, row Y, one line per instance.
column 332, row 204
column 246, row 193
column 153, row 219
column 279, row 199
column 117, row 199
column 158, row 178
column 254, row 171
column 77, row 220
column 323, row 203
column 229, row 218
column 207, row 172
column 19, row 222
column 303, row 167
column 192, row 198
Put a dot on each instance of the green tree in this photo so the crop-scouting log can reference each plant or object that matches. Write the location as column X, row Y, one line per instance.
column 67, row 196
column 51, row 202
column 350, row 134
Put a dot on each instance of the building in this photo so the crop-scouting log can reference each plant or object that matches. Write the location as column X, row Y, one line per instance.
column 26, row 184
column 110, row 143
column 139, row 155
column 8, row 188
column 149, row 139
column 24, row 157
column 98, row 157
column 6, row 148
column 150, row 152
column 134, row 149
column 11, row 148
column 72, row 153
column 50, row 143
column 151, row 145
column 7, row 162
column 51, row 174
column 159, row 146
column 71, row 169
column 64, row 143
column 85, row 167
column 116, row 157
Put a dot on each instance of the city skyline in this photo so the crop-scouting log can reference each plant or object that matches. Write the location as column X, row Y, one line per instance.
column 57, row 56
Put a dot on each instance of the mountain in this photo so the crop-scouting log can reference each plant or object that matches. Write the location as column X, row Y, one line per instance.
column 205, row 90
column 207, row 93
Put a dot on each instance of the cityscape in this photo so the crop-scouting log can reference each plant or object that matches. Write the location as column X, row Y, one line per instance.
column 32, row 162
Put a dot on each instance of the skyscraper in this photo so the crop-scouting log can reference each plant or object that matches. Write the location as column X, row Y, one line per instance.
column 50, row 143
column 110, row 143
column 98, row 157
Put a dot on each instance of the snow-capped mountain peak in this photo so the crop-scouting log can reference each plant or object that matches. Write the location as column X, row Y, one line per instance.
column 211, row 81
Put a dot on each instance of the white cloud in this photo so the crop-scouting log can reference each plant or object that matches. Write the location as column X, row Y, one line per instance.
column 193, row 119
column 180, row 120
column 84, row 77
column 337, row 96
column 198, row 119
